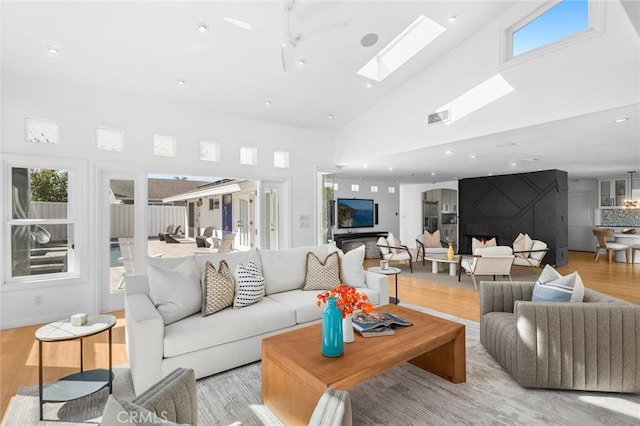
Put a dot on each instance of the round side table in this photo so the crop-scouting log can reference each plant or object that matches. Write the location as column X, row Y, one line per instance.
column 79, row 384
column 389, row 271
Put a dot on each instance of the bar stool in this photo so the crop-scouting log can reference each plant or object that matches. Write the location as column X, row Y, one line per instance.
column 632, row 252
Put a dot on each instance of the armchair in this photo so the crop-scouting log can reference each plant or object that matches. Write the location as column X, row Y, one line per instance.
column 561, row 345
column 531, row 258
column 173, row 400
column 429, row 244
column 392, row 250
column 487, row 261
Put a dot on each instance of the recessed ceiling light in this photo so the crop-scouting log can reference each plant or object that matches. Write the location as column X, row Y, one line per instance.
column 504, row 145
column 202, row 28
column 513, row 164
column 267, row 103
column 433, row 173
column 474, row 156
column 448, row 151
column 365, row 166
column 453, row 18
column 181, row 82
column 329, row 116
column 369, row 85
column 390, row 168
column 302, row 62
column 490, row 174
column 622, row 120
column 52, row 50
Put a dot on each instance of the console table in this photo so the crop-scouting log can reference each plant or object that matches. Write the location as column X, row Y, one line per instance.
column 369, row 239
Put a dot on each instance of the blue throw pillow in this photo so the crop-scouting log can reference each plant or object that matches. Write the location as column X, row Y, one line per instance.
column 553, row 287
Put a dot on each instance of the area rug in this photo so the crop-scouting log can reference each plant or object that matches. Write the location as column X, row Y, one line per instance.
column 404, row 395
column 423, row 273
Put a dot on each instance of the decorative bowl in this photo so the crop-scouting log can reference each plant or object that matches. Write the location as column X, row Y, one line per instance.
column 629, row 231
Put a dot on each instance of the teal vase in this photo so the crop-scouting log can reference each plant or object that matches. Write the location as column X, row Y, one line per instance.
column 332, row 344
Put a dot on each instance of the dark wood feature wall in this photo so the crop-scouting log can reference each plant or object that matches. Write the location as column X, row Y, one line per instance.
column 503, row 206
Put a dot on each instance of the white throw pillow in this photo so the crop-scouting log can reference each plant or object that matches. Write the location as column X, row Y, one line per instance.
column 476, row 243
column 523, row 243
column 351, row 270
column 393, row 241
column 175, row 292
column 383, row 246
column 553, row 287
column 249, row 285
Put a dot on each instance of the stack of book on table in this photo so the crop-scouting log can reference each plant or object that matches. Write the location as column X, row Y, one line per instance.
column 378, row 323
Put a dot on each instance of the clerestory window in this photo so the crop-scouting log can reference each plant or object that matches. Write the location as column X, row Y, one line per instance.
column 555, row 23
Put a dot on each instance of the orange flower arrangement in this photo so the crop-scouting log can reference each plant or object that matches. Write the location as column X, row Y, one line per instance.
column 348, row 299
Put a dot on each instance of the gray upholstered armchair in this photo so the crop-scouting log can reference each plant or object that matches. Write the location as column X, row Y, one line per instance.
column 591, row 346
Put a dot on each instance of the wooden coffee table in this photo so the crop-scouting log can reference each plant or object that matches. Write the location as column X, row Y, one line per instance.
column 295, row 373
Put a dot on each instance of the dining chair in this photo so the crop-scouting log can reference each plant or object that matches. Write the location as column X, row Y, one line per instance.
column 601, row 235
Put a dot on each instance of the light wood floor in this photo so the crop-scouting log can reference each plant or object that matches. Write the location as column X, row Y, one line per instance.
column 19, row 350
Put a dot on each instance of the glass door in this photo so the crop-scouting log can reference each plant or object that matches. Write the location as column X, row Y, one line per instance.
column 272, row 219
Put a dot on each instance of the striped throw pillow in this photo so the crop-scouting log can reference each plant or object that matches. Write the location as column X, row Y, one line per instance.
column 553, row 287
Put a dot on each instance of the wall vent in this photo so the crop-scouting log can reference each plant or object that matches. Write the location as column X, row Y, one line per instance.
column 439, row 117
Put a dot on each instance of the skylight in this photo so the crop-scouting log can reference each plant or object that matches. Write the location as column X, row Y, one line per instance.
column 413, row 39
column 477, row 97
column 565, row 19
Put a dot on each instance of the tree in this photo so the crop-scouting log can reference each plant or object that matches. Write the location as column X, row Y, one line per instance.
column 49, row 185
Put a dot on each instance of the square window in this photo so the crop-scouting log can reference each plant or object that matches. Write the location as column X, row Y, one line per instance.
column 355, row 187
column 248, row 155
column 374, row 188
column 335, row 186
column 109, row 139
column 165, row 146
column 281, row 159
column 209, row 151
column 42, row 130
column 392, row 190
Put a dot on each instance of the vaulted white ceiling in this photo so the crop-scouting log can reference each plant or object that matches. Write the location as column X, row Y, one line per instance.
column 145, row 47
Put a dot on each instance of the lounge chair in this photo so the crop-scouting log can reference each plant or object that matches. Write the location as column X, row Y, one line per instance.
column 201, row 240
column 168, row 231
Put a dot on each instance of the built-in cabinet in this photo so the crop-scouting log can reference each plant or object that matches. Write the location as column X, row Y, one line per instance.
column 613, row 192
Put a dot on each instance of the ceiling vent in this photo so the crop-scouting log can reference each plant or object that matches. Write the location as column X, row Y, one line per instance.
column 439, row 117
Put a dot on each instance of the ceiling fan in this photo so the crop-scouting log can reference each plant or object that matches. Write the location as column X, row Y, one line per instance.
column 289, row 40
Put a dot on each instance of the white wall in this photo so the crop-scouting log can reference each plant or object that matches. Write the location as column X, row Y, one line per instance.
column 567, row 82
column 411, row 208
column 79, row 111
column 388, row 204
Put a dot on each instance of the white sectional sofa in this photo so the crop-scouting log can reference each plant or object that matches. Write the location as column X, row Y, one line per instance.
column 230, row 337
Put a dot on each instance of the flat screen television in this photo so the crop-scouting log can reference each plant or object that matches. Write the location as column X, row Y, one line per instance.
column 355, row 213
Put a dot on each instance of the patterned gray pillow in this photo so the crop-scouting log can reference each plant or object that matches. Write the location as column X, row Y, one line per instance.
column 218, row 288
column 249, row 285
column 322, row 275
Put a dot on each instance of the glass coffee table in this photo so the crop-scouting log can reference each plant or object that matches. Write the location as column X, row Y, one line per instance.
column 80, row 384
column 389, row 271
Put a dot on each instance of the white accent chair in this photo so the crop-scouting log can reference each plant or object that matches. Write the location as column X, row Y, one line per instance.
column 601, row 235
column 496, row 261
column 393, row 251
column 424, row 252
column 531, row 258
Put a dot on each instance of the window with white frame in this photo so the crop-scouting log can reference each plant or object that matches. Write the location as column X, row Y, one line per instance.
column 248, row 155
column 42, row 223
column 554, row 24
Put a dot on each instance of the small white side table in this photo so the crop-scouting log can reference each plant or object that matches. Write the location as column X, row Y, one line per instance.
column 79, row 384
column 389, row 271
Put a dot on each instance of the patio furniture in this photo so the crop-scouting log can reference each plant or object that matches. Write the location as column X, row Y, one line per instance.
column 169, row 230
column 201, row 240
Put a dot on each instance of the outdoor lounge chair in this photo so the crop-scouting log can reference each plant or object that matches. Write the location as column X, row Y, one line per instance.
column 168, row 231
column 201, row 240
